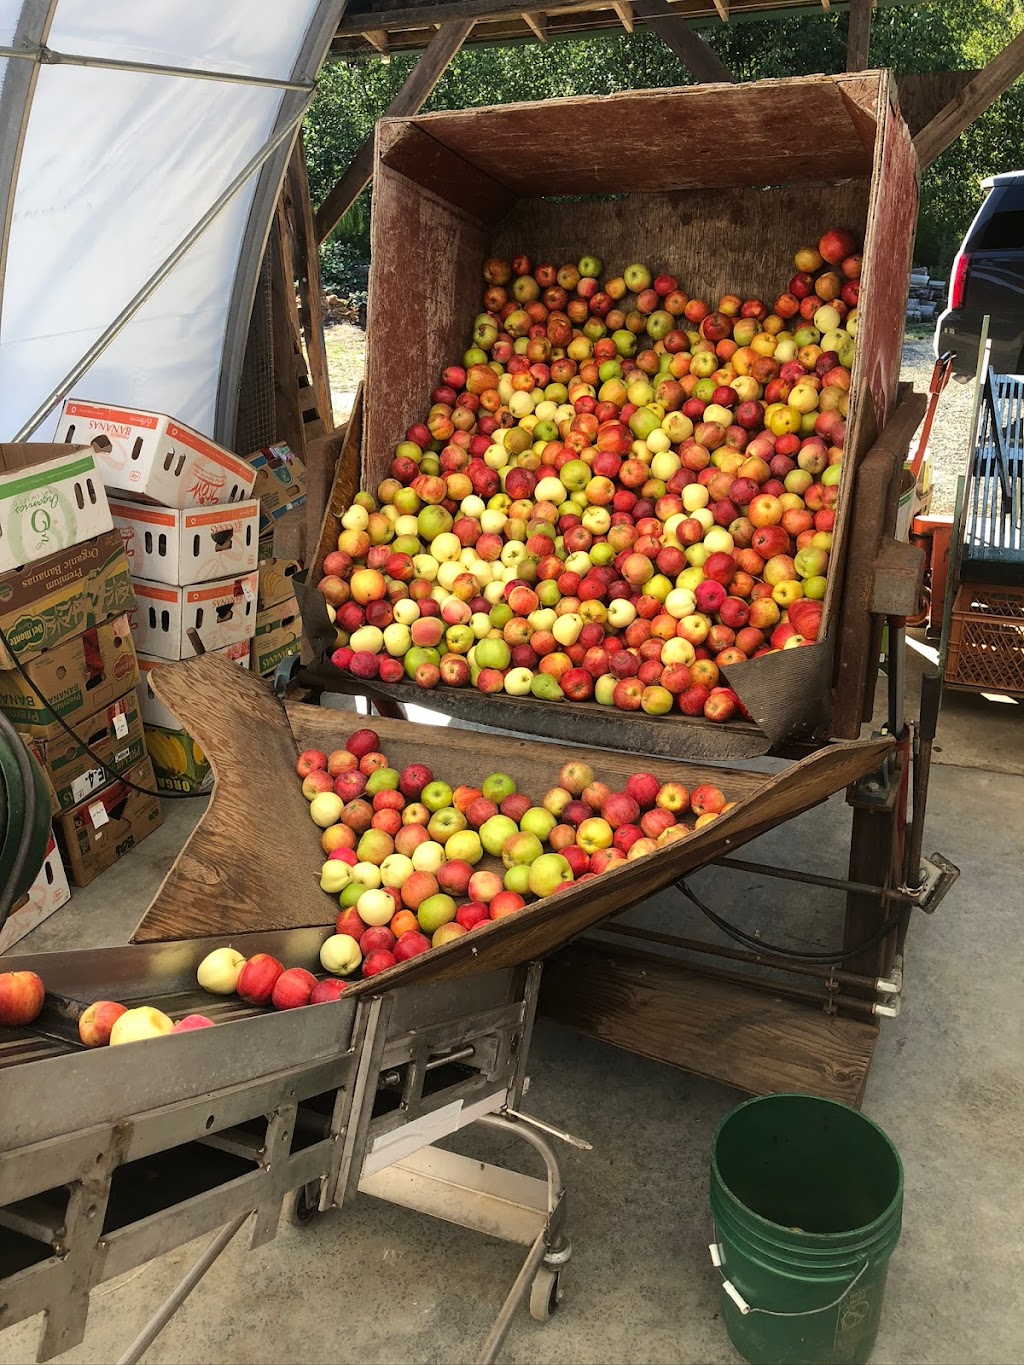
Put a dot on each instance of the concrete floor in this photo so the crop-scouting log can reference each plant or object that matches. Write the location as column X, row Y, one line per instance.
column 377, row 1284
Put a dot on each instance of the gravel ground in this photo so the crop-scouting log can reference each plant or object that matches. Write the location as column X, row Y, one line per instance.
column 947, row 446
column 346, row 356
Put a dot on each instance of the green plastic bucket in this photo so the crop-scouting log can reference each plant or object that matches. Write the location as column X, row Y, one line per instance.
column 807, row 1201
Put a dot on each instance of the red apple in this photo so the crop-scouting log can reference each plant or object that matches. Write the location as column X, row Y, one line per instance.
column 310, row 760
column 380, row 960
column 257, row 979
column 326, row 990
column 410, row 944
column 97, row 1020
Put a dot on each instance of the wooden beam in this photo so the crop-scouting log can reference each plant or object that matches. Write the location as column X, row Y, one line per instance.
column 624, row 9
column 311, row 289
column 284, row 326
column 409, row 100
column 858, row 35
column 378, row 38
column 974, row 99
column 538, row 24
column 723, row 10
column 689, row 46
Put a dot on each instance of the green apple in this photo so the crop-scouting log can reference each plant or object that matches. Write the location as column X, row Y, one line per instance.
column 382, row 780
column 493, row 653
column 637, row 277
column 464, row 846
column 549, row 871
column 521, row 848
column 420, row 654
column 446, row 822
column 493, row 833
column 497, row 787
column 538, row 821
column 435, row 911
column 436, row 795
column 517, row 878
column 350, row 894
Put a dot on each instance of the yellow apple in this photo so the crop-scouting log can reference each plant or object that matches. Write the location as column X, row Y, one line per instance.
column 143, row 1022
column 218, row 972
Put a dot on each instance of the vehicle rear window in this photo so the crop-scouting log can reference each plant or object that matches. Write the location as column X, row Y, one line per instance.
column 1002, row 229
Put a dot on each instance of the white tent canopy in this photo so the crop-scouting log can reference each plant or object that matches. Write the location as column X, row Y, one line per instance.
column 109, row 168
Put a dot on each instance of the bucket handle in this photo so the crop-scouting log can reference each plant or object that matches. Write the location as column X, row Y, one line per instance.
column 717, row 1260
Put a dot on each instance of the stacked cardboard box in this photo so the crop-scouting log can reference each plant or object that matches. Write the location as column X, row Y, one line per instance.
column 190, row 526
column 278, row 623
column 66, row 652
column 281, row 489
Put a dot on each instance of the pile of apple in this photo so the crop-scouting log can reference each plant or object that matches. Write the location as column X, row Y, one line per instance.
column 619, row 492
column 404, row 848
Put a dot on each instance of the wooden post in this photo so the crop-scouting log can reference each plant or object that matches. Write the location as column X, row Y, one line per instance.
column 689, row 47
column 311, row 290
column 411, row 98
column 285, row 325
column 537, row 23
column 858, row 35
column 624, row 9
column 974, row 99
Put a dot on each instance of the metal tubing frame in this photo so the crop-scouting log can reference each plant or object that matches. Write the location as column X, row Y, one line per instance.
column 312, row 51
column 160, row 274
column 19, row 86
column 180, row 1293
column 48, row 56
column 818, row 973
column 788, row 874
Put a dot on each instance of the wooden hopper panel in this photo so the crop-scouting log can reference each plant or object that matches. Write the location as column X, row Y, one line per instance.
column 252, row 862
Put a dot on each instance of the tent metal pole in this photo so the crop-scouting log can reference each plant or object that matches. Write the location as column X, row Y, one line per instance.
column 322, row 27
column 160, row 274
column 47, row 56
column 16, row 92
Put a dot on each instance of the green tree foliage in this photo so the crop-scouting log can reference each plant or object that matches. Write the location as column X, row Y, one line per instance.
column 940, row 36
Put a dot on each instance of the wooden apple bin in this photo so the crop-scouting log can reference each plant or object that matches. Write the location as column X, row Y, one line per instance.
column 719, row 185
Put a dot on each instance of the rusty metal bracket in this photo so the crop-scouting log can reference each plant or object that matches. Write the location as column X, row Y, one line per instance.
column 898, row 578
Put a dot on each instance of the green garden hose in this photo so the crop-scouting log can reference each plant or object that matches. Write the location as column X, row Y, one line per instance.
column 24, row 818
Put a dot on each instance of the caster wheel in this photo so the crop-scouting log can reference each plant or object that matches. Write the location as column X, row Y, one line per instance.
column 306, row 1205
column 545, row 1294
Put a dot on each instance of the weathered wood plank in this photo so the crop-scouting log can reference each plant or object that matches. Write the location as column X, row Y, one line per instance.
column 409, row 100
column 691, row 49
column 974, row 99
column 624, row 9
column 285, row 326
column 537, row 23
column 648, row 1004
column 310, row 285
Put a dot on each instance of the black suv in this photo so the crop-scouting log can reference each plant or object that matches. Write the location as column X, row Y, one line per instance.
column 988, row 277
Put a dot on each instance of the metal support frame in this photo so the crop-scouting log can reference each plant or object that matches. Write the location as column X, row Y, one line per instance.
column 180, row 1293
column 310, row 56
column 48, row 56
